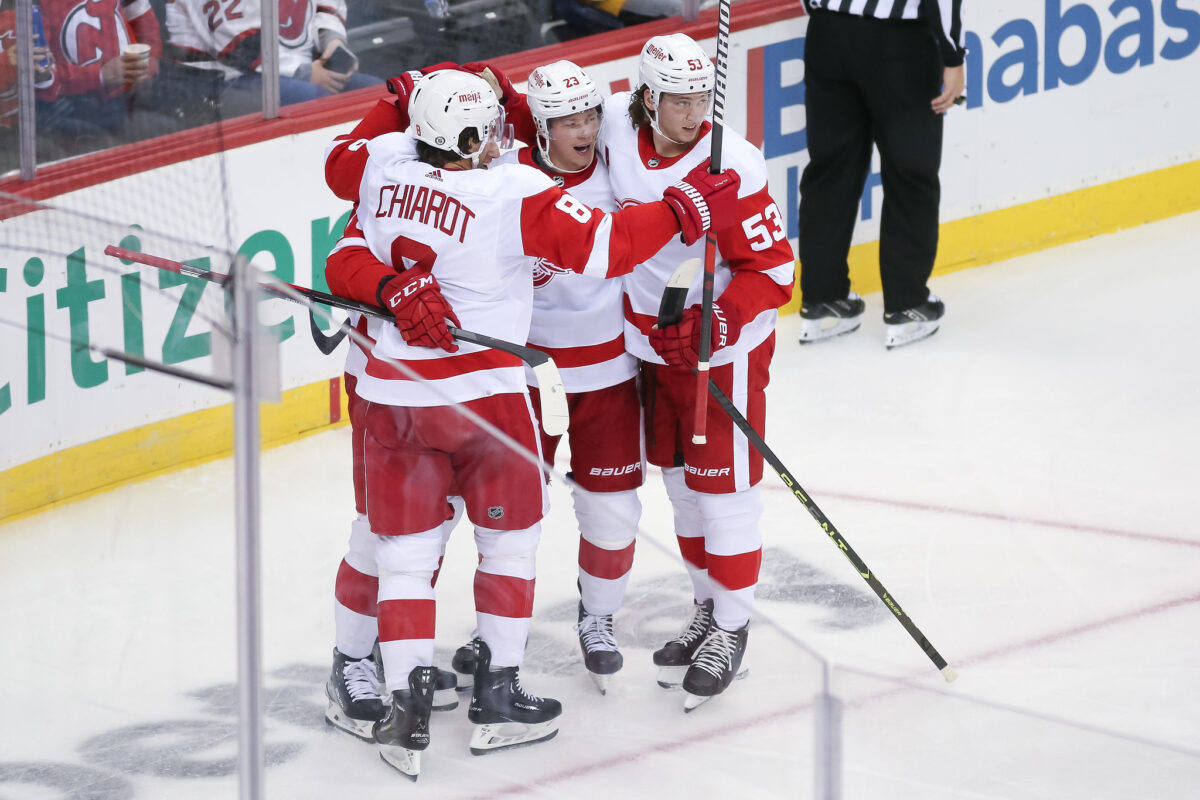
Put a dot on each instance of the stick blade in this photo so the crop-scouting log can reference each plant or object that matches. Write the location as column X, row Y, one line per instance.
column 670, row 308
column 553, row 397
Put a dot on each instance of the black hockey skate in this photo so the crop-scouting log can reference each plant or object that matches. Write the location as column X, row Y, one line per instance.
column 913, row 324
column 505, row 715
column 352, row 695
column 404, row 732
column 463, row 664
column 599, row 646
column 674, row 657
column 718, row 662
column 445, row 697
column 822, row 321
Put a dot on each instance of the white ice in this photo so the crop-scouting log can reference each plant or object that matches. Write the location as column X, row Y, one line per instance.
column 1023, row 483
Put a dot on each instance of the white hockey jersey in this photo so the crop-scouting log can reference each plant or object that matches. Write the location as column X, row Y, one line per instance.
column 577, row 319
column 757, row 243
column 480, row 232
column 225, row 35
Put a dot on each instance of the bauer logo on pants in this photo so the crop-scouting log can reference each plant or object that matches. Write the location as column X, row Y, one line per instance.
column 495, row 512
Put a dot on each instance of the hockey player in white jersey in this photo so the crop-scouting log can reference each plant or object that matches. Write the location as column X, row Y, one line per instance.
column 651, row 137
column 578, row 320
column 444, row 241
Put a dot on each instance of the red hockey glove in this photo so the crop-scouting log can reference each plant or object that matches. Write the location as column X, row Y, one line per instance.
column 402, row 86
column 415, row 299
column 704, row 202
column 679, row 344
column 499, row 82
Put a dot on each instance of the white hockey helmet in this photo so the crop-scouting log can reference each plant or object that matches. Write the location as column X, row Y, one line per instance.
column 447, row 102
column 675, row 64
column 558, row 90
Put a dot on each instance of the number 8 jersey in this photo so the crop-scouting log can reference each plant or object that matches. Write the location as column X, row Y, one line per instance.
column 755, row 265
column 481, row 232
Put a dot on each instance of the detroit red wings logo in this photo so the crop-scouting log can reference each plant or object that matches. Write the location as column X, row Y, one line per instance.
column 544, row 272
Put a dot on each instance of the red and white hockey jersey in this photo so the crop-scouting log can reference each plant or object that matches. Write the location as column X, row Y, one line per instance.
column 225, row 35
column 480, row 232
column 84, row 35
column 755, row 266
column 577, row 319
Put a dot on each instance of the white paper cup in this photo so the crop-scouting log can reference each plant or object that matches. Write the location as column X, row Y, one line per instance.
column 142, row 51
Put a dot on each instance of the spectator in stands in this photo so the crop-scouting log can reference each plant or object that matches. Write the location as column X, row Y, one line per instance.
column 43, row 64
column 96, row 97
column 224, row 38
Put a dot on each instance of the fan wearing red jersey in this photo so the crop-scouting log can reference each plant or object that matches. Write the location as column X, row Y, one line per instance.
column 651, row 137
column 476, row 235
column 96, row 84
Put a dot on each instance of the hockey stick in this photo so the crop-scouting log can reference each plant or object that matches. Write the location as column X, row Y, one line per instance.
column 700, row 423
column 555, row 416
column 669, row 314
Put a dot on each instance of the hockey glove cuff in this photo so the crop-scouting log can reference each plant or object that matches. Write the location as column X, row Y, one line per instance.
column 679, row 344
column 416, row 300
column 495, row 77
column 703, row 201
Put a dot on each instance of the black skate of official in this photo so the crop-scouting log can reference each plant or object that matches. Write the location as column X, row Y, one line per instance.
column 353, row 703
column 913, row 324
column 404, row 732
column 718, row 662
column 505, row 715
column 674, row 657
column 820, row 322
column 599, row 646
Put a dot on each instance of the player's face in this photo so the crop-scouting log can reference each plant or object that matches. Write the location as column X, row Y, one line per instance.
column 573, row 139
column 680, row 115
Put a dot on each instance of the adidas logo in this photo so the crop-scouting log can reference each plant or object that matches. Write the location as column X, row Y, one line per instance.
column 436, row 174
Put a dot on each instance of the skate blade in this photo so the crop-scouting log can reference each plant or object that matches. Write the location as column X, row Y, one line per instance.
column 671, row 677
column 446, row 699
column 693, row 701
column 359, row 728
column 910, row 333
column 812, row 332
column 406, row 762
column 601, row 682
column 494, row 736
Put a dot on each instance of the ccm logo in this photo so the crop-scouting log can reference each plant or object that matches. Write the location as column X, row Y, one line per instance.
column 411, row 289
column 705, row 473
column 614, row 471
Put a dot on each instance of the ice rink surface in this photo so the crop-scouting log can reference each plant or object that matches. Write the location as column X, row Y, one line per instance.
column 1023, row 483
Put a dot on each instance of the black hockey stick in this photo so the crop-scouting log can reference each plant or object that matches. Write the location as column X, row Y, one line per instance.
column 710, row 242
column 553, row 396
column 669, row 314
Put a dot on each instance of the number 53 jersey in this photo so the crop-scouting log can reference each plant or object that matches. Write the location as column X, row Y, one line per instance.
column 753, row 254
column 481, row 232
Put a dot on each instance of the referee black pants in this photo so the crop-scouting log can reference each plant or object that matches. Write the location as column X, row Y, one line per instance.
column 870, row 81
